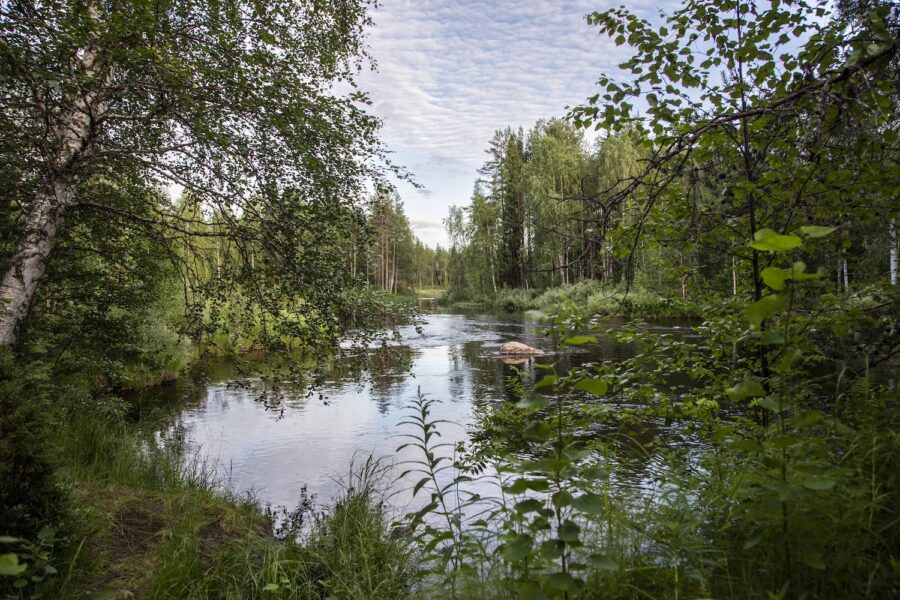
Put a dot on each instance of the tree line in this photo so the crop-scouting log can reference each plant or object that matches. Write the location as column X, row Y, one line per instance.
column 394, row 259
column 648, row 204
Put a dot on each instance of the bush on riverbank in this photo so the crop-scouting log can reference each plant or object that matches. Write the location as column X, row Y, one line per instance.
column 147, row 521
column 749, row 494
column 588, row 297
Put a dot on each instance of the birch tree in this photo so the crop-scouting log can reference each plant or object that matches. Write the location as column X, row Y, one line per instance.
column 233, row 100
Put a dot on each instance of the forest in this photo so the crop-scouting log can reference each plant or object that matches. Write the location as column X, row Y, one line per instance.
column 229, row 368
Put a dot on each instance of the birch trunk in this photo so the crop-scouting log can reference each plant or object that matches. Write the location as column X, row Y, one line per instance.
column 73, row 133
column 894, row 258
column 734, row 277
column 29, row 261
column 846, row 275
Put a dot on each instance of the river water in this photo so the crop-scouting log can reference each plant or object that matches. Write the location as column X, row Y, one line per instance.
column 307, row 441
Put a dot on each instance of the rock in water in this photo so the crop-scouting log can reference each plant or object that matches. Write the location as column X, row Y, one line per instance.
column 519, row 349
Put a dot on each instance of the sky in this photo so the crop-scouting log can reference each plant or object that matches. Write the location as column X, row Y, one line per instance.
column 451, row 72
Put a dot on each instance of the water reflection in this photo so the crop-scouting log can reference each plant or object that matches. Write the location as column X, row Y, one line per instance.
column 312, row 438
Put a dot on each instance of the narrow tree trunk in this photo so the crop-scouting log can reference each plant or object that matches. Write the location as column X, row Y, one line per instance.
column 895, row 258
column 846, row 275
column 491, row 259
column 394, row 270
column 28, row 263
column 734, row 277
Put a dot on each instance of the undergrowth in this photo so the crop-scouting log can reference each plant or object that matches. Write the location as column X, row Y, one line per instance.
column 147, row 521
column 588, row 297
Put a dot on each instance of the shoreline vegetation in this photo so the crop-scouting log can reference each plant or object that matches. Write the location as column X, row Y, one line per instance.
column 744, row 171
column 143, row 520
column 588, row 298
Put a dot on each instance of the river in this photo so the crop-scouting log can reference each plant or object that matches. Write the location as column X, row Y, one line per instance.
column 306, row 441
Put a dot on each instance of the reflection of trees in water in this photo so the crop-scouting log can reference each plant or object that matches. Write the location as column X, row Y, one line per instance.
column 277, row 381
column 487, row 371
column 388, row 368
column 459, row 371
column 494, row 378
column 160, row 403
column 382, row 370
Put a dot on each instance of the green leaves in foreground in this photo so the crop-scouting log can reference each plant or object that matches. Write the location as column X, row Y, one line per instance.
column 10, row 565
column 757, row 312
column 775, row 277
column 816, row 231
column 578, row 340
column 597, row 387
column 533, row 401
column 767, row 240
column 746, row 389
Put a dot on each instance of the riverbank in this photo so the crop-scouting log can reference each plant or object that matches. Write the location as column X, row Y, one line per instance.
column 143, row 521
column 643, row 498
column 588, row 298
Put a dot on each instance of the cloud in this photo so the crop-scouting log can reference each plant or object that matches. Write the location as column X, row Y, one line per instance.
column 451, row 72
column 426, row 225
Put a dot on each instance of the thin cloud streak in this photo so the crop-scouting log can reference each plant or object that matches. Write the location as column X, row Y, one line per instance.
column 450, row 73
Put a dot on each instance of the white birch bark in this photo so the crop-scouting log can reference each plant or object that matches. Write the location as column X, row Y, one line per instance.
column 894, row 253
column 73, row 135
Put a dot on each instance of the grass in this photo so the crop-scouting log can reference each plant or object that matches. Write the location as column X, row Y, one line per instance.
column 589, row 297
column 438, row 293
column 147, row 522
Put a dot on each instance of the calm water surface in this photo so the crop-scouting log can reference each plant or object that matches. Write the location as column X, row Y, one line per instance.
column 310, row 440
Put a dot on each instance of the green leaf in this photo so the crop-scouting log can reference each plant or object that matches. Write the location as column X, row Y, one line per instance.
column 772, row 338
column 534, row 401
column 757, row 312
column 569, row 531
column 520, row 486
column 774, row 277
column 538, row 431
column 746, row 389
column 807, row 419
column 552, row 549
column 579, row 340
column 597, row 387
column 529, row 505
column 561, row 581
column 8, row 539
column 590, row 503
column 603, row 562
column 420, row 484
column 816, row 231
column 787, row 360
column 546, row 381
column 519, row 548
column 798, row 272
column 9, row 565
column 819, row 485
column 530, row 590
column 767, row 240
column 561, row 499
column 774, row 404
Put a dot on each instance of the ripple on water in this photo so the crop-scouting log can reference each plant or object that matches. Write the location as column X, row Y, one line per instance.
column 312, row 442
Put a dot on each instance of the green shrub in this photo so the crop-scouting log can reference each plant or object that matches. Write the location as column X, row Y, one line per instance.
column 29, row 497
